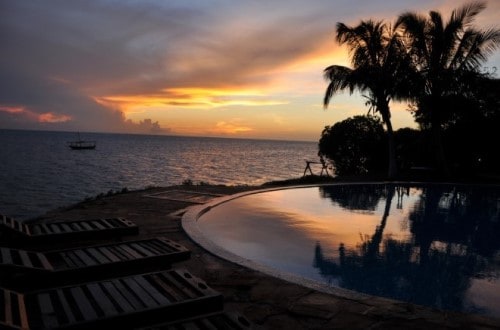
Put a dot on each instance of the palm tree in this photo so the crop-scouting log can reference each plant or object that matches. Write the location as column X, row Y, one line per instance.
column 377, row 57
column 446, row 57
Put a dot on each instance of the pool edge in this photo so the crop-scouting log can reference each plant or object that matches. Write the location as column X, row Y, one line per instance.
column 189, row 224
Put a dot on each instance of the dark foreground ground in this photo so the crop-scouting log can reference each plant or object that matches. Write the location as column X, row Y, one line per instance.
column 268, row 302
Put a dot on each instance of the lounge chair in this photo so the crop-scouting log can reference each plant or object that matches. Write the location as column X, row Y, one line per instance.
column 220, row 320
column 15, row 231
column 62, row 266
column 119, row 303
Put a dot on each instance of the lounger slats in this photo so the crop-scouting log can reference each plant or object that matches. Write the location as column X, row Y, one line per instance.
column 81, row 228
column 97, row 224
column 12, row 310
column 131, row 252
column 107, row 252
column 66, row 310
column 65, row 228
column 71, row 260
column 21, row 258
column 8, row 308
column 87, row 309
column 44, row 263
column 26, row 260
column 141, row 250
column 120, row 253
column 171, row 293
column 215, row 321
column 106, row 224
column 35, row 230
column 179, row 291
column 98, row 294
column 142, row 295
column 48, row 313
column 3, row 318
column 45, row 229
column 10, row 222
column 101, row 258
column 20, row 268
column 128, row 295
column 15, row 312
column 86, row 257
column 54, row 228
column 176, row 280
column 6, row 255
column 120, row 302
column 14, row 224
column 26, row 229
column 75, row 226
column 20, row 226
column 160, row 298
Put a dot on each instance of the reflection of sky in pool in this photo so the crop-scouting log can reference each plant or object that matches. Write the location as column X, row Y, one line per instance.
column 437, row 245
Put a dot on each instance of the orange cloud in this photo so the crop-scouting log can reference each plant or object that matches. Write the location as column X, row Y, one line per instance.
column 50, row 117
column 230, row 128
column 12, row 110
column 47, row 117
column 190, row 98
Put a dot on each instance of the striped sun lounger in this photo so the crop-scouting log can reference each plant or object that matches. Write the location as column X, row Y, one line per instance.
column 15, row 231
column 220, row 320
column 119, row 303
column 88, row 262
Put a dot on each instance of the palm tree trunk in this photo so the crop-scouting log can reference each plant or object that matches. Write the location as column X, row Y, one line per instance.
column 439, row 154
column 386, row 117
column 437, row 138
column 393, row 167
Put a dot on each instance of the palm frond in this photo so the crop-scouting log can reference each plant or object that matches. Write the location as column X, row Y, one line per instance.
column 478, row 45
column 414, row 29
column 340, row 78
column 466, row 14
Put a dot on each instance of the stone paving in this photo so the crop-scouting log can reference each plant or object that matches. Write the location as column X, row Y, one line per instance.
column 268, row 302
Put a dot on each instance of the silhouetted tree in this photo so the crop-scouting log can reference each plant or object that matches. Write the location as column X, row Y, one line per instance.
column 477, row 112
column 354, row 145
column 378, row 60
column 447, row 56
column 411, row 148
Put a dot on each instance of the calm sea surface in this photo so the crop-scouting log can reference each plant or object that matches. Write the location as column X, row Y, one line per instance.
column 39, row 172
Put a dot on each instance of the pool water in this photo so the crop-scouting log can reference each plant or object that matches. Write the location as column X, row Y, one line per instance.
column 434, row 245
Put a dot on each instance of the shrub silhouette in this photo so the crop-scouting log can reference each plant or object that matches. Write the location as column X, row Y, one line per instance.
column 354, row 145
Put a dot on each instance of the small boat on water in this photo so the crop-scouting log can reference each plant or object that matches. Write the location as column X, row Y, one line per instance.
column 81, row 144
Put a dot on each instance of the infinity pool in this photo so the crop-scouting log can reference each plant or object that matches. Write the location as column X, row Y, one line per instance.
column 434, row 245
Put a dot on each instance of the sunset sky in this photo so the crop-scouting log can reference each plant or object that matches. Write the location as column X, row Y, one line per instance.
column 246, row 69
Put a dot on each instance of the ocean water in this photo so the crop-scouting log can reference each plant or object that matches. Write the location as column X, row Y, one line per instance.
column 39, row 172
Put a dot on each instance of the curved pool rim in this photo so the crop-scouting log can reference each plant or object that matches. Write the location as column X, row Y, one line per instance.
column 190, row 226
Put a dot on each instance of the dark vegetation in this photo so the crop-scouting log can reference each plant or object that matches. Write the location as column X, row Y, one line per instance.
column 435, row 66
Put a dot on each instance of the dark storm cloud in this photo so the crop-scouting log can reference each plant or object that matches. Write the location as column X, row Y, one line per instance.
column 90, row 41
column 57, row 55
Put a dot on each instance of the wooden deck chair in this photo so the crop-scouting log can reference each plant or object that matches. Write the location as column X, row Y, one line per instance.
column 220, row 320
column 119, row 303
column 16, row 231
column 93, row 262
